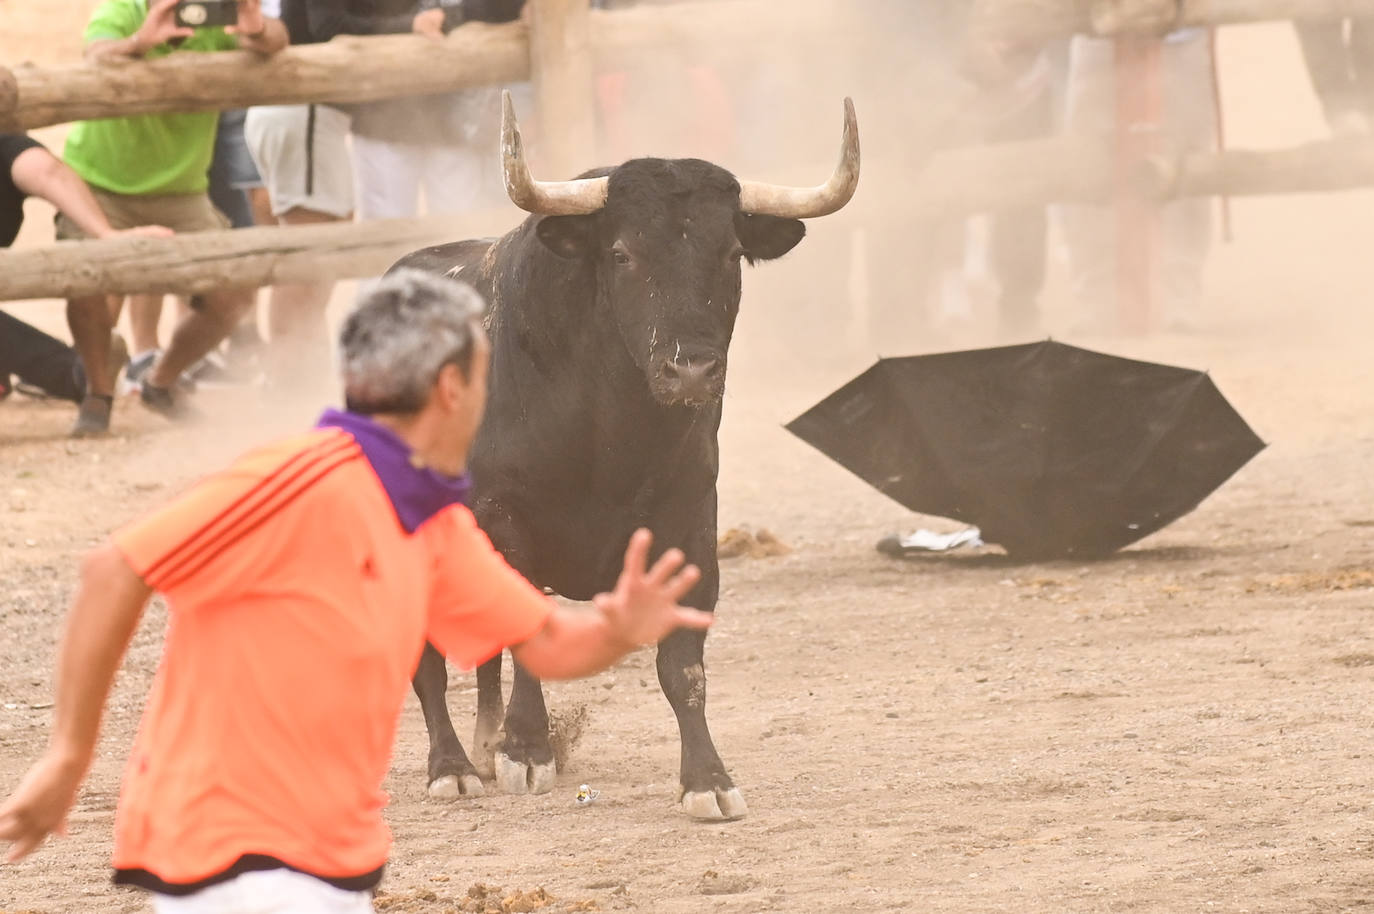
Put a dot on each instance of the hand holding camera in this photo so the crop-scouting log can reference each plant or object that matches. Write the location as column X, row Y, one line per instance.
column 161, row 26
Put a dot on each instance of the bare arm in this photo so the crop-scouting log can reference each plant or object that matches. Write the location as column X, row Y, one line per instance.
column 39, row 173
column 642, row 610
column 108, row 605
column 159, row 27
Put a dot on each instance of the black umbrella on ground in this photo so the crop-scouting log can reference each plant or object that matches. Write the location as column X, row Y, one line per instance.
column 1051, row 450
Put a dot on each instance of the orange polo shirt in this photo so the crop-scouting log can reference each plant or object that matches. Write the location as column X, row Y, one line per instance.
column 298, row 611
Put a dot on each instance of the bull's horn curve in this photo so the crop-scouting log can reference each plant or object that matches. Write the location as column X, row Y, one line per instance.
column 543, row 198
column 810, row 202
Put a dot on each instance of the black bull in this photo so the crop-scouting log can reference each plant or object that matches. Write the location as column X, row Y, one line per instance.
column 610, row 314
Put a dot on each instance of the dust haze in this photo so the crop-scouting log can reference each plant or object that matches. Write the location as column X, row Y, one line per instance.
column 1184, row 726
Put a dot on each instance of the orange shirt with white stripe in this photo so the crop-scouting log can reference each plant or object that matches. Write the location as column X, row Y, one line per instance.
column 298, row 609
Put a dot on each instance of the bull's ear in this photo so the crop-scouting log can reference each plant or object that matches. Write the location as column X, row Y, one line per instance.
column 567, row 236
column 767, row 237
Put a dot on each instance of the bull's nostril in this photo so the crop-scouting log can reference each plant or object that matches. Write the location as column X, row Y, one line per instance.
column 690, row 380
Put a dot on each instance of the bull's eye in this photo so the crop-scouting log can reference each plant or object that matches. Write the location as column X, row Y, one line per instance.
column 620, row 255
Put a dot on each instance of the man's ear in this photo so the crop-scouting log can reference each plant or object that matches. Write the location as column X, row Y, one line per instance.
column 451, row 385
column 569, row 237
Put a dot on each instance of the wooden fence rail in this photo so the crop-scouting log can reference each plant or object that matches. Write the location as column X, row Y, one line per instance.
column 957, row 182
column 358, row 69
column 1009, row 176
column 249, row 258
column 1041, row 20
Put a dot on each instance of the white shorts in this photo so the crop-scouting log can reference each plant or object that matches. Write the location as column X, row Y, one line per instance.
column 267, row 892
column 302, row 154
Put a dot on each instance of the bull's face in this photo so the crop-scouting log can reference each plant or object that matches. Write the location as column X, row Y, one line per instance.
column 667, row 249
column 666, row 238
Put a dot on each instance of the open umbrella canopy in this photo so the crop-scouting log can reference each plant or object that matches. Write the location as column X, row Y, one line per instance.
column 1051, row 450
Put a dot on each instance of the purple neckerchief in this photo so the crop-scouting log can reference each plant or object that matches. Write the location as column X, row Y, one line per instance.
column 416, row 492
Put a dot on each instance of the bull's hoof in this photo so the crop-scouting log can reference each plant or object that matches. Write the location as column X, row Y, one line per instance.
column 451, row 787
column 715, row 805
column 518, row 778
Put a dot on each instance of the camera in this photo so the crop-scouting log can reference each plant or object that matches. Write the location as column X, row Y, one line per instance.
column 204, row 14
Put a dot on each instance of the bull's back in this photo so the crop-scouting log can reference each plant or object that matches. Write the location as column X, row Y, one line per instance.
column 459, row 259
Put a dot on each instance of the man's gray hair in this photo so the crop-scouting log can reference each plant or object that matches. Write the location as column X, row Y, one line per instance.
column 400, row 335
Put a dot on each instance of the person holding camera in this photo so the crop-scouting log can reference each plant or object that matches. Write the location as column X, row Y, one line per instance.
column 1339, row 55
column 151, row 169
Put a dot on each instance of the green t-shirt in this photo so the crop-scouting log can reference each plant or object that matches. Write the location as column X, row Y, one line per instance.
column 147, row 153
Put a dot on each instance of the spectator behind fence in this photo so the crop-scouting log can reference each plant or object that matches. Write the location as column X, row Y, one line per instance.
column 1340, row 61
column 237, row 190
column 152, row 168
column 301, row 151
column 434, row 143
column 1004, row 253
column 1189, row 124
column 234, row 187
column 42, row 361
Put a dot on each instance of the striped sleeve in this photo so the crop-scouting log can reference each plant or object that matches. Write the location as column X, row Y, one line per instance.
column 175, row 544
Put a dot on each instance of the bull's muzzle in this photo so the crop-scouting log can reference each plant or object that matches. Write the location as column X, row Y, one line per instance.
column 693, row 382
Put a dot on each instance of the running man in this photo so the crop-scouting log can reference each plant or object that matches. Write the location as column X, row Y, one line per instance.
column 302, row 584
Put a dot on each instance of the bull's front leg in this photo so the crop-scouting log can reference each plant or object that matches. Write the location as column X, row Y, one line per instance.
column 707, row 792
column 451, row 774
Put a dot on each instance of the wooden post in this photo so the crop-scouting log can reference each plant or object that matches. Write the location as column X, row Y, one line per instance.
column 561, row 66
column 9, row 101
column 1138, row 123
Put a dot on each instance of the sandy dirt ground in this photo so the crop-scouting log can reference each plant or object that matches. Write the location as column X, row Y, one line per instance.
column 1185, row 726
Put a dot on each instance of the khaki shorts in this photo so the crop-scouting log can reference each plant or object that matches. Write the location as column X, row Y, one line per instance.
column 302, row 154
column 178, row 212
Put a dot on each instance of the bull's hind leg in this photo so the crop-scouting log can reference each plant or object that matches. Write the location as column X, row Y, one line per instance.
column 451, row 775
column 486, row 738
column 517, row 750
column 524, row 760
column 707, row 791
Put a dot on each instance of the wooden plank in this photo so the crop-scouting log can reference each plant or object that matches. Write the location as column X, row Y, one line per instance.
column 347, row 69
column 357, row 69
column 1035, row 21
column 248, row 258
column 959, row 182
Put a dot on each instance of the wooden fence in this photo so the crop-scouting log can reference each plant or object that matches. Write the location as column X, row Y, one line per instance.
column 556, row 51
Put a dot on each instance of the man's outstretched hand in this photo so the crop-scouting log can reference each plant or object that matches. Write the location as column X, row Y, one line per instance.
column 643, row 609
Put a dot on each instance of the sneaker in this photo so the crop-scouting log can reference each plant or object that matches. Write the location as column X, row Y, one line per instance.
column 165, row 402
column 93, row 418
column 139, row 366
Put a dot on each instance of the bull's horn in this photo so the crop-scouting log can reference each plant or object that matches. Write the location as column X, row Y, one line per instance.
column 810, row 202
column 543, row 198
